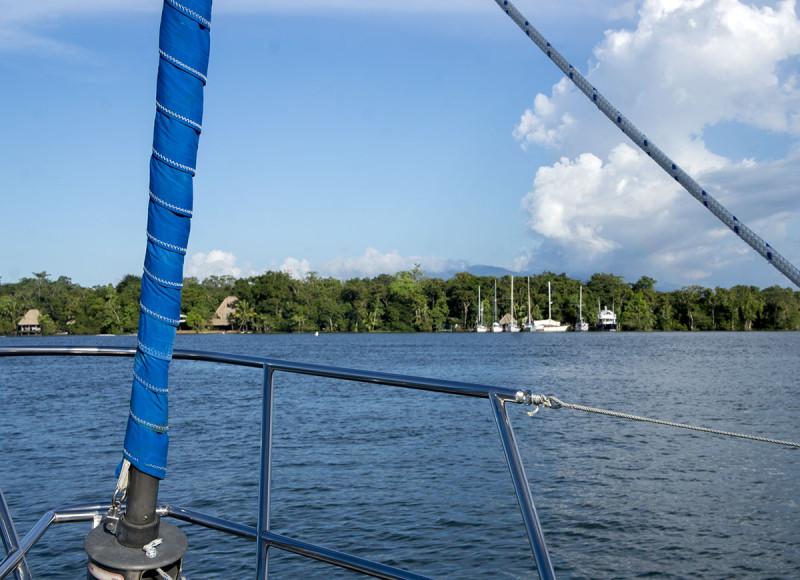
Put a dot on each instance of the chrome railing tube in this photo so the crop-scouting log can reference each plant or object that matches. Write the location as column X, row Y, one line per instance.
column 14, row 558
column 207, row 521
column 520, row 481
column 265, row 479
column 395, row 380
column 497, row 396
column 368, row 567
column 11, row 539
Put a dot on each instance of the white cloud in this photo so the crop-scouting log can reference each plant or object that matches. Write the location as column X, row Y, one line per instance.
column 370, row 264
column 373, row 263
column 297, row 269
column 545, row 125
column 687, row 66
column 523, row 262
column 583, row 203
column 214, row 263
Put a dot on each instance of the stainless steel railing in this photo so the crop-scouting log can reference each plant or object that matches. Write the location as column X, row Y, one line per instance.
column 17, row 549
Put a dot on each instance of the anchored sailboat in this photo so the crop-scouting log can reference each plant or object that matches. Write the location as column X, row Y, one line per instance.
column 549, row 325
column 496, row 326
column 512, row 325
column 581, row 325
column 528, row 325
column 480, row 326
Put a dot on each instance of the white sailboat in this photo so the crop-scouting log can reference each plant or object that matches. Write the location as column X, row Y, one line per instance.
column 480, row 326
column 512, row 325
column 496, row 326
column 581, row 325
column 550, row 325
column 528, row 325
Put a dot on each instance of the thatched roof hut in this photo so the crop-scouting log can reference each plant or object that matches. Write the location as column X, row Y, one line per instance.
column 507, row 319
column 224, row 310
column 29, row 324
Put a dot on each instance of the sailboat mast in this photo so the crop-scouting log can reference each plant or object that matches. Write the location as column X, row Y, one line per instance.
column 549, row 303
column 494, row 307
column 512, row 299
column 529, row 299
column 480, row 307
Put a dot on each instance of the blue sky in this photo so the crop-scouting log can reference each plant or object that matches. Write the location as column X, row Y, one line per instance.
column 352, row 138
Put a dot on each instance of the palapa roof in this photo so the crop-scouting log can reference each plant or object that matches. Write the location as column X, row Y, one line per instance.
column 225, row 309
column 31, row 318
column 507, row 318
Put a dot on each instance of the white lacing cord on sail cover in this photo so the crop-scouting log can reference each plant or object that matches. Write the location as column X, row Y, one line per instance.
column 555, row 403
column 641, row 141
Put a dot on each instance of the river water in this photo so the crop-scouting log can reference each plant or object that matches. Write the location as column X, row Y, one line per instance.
column 418, row 480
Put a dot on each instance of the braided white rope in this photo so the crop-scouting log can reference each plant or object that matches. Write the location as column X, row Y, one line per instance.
column 189, row 12
column 759, row 245
column 183, row 66
column 173, row 114
column 555, row 403
column 174, row 164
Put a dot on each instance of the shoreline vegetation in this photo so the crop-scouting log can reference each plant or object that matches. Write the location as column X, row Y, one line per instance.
column 408, row 301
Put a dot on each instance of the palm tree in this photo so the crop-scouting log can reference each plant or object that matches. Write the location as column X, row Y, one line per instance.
column 244, row 315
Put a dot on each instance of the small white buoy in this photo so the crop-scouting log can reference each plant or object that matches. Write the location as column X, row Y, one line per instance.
column 316, row 333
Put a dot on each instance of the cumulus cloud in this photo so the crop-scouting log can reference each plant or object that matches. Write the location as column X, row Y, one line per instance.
column 214, row 263
column 687, row 66
column 545, row 124
column 297, row 269
column 569, row 196
column 373, row 263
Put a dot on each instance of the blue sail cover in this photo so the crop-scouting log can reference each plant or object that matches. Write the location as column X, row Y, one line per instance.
column 183, row 48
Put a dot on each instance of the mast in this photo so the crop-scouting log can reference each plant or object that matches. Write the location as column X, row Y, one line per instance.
column 494, row 308
column 529, row 299
column 512, row 302
column 480, row 307
column 115, row 548
column 549, row 303
column 580, row 303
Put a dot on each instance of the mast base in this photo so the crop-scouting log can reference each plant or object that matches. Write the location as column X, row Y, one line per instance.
column 110, row 560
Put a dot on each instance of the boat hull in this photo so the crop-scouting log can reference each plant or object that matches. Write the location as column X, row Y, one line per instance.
column 554, row 328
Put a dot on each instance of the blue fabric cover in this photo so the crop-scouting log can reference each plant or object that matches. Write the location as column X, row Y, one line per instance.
column 183, row 48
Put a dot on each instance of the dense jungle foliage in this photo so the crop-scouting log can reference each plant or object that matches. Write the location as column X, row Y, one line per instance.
column 403, row 302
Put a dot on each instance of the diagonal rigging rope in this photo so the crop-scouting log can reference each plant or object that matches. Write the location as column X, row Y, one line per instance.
column 555, row 403
column 640, row 140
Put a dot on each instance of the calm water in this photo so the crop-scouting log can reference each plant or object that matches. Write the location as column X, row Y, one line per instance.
column 418, row 480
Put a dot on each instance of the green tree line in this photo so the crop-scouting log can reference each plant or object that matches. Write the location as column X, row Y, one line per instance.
column 408, row 301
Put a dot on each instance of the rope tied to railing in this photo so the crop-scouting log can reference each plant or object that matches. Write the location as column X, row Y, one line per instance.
column 555, row 403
